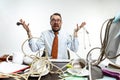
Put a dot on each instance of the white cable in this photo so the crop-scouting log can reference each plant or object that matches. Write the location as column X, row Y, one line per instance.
column 84, row 38
column 90, row 66
column 85, row 31
column 89, row 40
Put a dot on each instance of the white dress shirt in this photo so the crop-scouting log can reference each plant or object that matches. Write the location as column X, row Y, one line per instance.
column 65, row 41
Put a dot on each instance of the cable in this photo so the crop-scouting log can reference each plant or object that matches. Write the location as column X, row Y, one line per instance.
column 86, row 31
column 104, row 43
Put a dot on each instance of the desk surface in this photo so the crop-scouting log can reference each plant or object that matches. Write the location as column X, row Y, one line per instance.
column 51, row 76
column 55, row 77
column 47, row 77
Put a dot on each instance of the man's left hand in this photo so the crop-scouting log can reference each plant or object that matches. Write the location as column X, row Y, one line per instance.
column 79, row 27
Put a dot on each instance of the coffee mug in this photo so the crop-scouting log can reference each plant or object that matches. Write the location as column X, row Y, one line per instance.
column 79, row 63
column 17, row 57
column 27, row 60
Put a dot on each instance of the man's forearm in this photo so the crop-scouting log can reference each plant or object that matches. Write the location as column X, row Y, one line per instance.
column 29, row 34
column 75, row 34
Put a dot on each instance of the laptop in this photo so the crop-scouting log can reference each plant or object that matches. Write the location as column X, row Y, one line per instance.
column 59, row 64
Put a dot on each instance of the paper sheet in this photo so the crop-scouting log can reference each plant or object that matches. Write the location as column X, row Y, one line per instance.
column 9, row 67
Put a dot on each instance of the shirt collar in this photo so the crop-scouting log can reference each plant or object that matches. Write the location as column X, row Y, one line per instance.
column 58, row 31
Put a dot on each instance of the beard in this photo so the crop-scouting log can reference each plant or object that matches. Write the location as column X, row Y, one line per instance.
column 56, row 27
column 56, row 30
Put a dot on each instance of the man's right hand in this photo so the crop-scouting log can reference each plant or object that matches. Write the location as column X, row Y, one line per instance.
column 25, row 26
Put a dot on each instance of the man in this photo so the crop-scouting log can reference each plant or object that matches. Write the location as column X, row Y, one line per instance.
column 65, row 40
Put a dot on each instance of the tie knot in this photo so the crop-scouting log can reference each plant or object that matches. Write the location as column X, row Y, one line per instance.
column 55, row 33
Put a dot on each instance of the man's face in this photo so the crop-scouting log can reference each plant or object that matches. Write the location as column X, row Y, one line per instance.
column 56, row 23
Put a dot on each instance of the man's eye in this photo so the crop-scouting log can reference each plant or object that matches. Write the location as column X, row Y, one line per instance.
column 57, row 20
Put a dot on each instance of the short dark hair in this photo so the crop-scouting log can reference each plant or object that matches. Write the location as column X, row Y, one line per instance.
column 58, row 14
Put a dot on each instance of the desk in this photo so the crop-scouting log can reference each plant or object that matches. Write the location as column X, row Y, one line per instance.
column 55, row 76
column 47, row 77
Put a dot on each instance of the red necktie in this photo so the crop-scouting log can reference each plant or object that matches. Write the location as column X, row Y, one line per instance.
column 55, row 46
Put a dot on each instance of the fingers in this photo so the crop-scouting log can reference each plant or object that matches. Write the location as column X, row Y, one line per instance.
column 82, row 24
column 79, row 27
column 21, row 21
column 25, row 26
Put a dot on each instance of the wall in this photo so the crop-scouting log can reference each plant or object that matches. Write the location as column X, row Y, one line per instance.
column 37, row 13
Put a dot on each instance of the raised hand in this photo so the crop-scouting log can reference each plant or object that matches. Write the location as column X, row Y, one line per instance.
column 25, row 26
column 79, row 27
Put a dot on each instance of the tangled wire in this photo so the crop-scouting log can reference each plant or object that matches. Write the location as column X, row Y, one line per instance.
column 38, row 67
column 104, row 43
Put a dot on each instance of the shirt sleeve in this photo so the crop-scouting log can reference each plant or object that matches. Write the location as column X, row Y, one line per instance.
column 73, row 43
column 37, row 44
column 32, row 45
